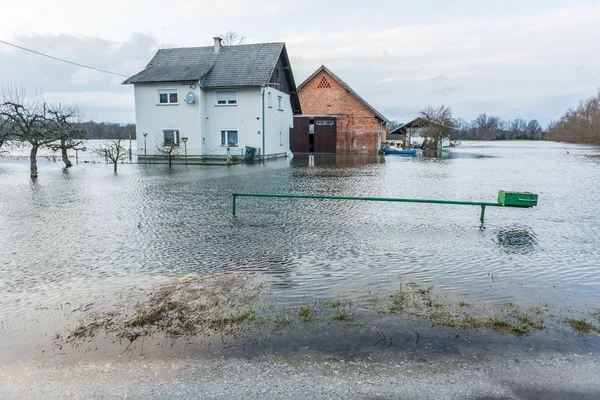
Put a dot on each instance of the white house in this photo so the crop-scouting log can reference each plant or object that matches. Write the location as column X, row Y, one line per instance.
column 221, row 98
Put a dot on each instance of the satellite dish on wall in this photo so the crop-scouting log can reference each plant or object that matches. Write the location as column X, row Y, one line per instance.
column 190, row 98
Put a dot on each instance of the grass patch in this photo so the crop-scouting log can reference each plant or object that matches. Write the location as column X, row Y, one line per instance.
column 307, row 314
column 182, row 307
column 333, row 303
column 498, row 324
column 526, row 320
column 540, row 310
column 397, row 304
column 342, row 316
column 470, row 322
column 464, row 304
column 282, row 322
column 581, row 326
column 221, row 321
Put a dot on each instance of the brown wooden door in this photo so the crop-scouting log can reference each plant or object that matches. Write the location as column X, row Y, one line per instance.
column 325, row 134
column 299, row 135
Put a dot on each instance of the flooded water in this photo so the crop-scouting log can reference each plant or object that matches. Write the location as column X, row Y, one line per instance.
column 71, row 236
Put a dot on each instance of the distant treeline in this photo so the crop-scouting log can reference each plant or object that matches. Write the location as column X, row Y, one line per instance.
column 107, row 130
column 486, row 127
column 579, row 125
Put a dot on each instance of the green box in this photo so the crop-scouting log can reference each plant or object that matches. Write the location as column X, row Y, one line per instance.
column 517, row 199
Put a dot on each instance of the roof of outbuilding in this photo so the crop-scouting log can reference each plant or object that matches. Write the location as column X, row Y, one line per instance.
column 232, row 66
column 346, row 86
column 418, row 122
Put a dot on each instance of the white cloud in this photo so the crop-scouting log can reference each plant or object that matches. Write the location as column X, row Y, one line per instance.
column 86, row 77
column 400, row 56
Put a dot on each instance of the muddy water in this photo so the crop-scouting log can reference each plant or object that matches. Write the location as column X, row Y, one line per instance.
column 71, row 238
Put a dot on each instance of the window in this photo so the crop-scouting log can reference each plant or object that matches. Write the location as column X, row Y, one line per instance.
column 311, row 126
column 269, row 100
column 229, row 138
column 228, row 98
column 168, row 96
column 280, row 138
column 280, row 102
column 171, row 137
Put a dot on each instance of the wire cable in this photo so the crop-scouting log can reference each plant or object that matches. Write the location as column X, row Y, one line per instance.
column 63, row 60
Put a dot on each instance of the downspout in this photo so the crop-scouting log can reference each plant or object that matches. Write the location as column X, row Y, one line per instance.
column 263, row 124
column 379, row 135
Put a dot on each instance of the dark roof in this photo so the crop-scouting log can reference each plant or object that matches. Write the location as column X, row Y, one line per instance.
column 346, row 86
column 232, row 66
column 418, row 122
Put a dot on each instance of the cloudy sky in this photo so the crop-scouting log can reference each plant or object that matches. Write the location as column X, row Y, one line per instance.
column 511, row 58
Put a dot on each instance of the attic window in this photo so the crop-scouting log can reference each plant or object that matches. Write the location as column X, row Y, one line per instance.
column 228, row 98
column 324, row 84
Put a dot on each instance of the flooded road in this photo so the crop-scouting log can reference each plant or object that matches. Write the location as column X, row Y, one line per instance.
column 70, row 237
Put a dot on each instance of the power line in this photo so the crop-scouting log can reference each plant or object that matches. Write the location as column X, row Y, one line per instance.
column 65, row 61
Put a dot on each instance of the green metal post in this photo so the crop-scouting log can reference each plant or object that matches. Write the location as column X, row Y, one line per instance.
column 523, row 203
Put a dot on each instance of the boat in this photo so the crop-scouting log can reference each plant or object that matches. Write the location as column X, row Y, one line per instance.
column 411, row 152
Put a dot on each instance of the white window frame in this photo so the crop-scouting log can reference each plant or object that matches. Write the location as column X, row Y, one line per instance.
column 177, row 137
column 226, row 131
column 280, row 103
column 168, row 92
column 231, row 102
column 269, row 101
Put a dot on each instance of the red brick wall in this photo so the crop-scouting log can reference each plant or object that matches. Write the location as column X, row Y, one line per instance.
column 357, row 125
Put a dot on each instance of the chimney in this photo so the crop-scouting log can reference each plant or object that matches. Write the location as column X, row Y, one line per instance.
column 218, row 43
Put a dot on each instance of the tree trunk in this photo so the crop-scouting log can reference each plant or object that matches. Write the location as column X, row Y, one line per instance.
column 115, row 165
column 170, row 161
column 33, row 162
column 65, row 156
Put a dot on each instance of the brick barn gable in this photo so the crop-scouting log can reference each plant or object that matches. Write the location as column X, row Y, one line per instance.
column 359, row 125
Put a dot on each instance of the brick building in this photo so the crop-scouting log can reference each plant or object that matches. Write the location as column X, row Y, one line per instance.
column 335, row 118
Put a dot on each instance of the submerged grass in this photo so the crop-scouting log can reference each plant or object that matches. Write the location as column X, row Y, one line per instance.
column 342, row 316
column 307, row 314
column 225, row 305
column 184, row 307
column 580, row 325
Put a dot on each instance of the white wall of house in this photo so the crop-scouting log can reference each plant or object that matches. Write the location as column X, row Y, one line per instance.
column 203, row 121
column 244, row 117
column 152, row 117
column 278, row 122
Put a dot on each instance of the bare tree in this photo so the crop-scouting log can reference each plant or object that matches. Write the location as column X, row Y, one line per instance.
column 393, row 125
column 63, row 121
column 26, row 122
column 578, row 125
column 112, row 151
column 4, row 133
column 168, row 152
column 437, row 123
column 232, row 38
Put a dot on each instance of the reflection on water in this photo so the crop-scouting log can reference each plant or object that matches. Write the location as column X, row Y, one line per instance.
column 90, row 231
column 335, row 160
column 517, row 239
